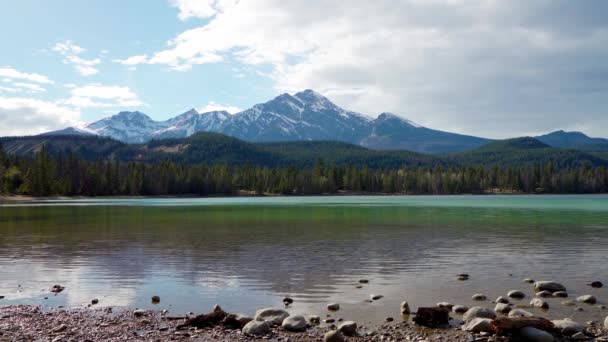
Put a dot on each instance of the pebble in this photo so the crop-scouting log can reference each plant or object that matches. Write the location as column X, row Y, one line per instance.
column 287, row 301
column 139, row 312
column 478, row 312
column 364, row 281
column 333, row 336
column 529, row 281
column 502, row 299
column 561, row 294
column 502, row 308
column 516, row 294
column 459, row 309
column 520, row 313
column 271, row 315
column 463, row 276
column 294, row 323
column 567, row 326
column 579, row 309
column 375, row 297
column 389, row 319
column 155, row 299
column 596, row 284
column 545, row 294
column 479, row 297
column 478, row 325
column 405, row 308
column 95, row 301
column 256, row 328
column 588, row 299
column 348, row 328
column 314, row 320
column 539, row 303
column 333, row 307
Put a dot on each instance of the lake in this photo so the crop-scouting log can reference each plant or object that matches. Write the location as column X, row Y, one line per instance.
column 248, row 253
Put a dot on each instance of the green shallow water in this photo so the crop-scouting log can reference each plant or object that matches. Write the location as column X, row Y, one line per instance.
column 246, row 253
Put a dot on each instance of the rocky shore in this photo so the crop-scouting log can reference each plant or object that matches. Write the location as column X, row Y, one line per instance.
column 508, row 320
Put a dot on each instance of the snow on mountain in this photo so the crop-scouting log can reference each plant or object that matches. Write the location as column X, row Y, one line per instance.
column 303, row 116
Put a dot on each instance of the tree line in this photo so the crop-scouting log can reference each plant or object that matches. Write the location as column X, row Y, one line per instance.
column 43, row 174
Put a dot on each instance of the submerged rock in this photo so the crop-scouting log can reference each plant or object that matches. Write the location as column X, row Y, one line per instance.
column 596, row 284
column 478, row 312
column 588, row 299
column 333, row 307
column 502, row 300
column 314, row 320
column 287, row 301
column 155, row 299
column 516, row 294
column 271, row 315
column 95, row 301
column 57, row 288
column 550, row 286
column 560, row 294
column 256, row 328
column 531, row 334
column 333, row 336
column 445, row 305
column 478, row 325
column 479, row 297
column 375, row 297
column 348, row 328
column 463, row 276
column 545, row 294
column 294, row 323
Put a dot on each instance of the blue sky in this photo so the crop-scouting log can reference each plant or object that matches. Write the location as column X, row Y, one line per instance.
column 491, row 68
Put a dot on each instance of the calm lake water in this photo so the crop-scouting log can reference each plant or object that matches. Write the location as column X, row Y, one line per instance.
column 247, row 253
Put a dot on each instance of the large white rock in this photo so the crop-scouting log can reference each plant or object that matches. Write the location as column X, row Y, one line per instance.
column 531, row 334
column 256, row 328
column 550, row 286
column 606, row 322
column 478, row 312
column 478, row 325
column 502, row 308
column 539, row 303
column 567, row 326
column 294, row 323
column 333, row 336
column 405, row 308
column 589, row 299
column 271, row 315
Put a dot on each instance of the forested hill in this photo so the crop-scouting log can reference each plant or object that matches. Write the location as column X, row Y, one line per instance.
column 213, row 148
column 214, row 164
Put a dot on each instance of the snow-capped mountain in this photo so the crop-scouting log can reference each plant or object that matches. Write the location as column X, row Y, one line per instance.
column 304, row 116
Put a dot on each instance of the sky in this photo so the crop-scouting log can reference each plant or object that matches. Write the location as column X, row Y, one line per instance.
column 489, row 68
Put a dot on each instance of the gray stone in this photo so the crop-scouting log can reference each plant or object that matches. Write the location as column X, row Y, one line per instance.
column 348, row 328
column 550, row 286
column 567, row 326
column 588, row 299
column 256, row 328
column 478, row 312
column 271, row 315
column 502, row 308
column 561, row 294
column 333, row 336
column 479, row 296
column 375, row 297
column 606, row 322
column 333, row 307
column 294, row 323
column 531, row 334
column 516, row 294
column 314, row 320
column 478, row 325
column 520, row 313
column 539, row 303
column 529, row 281
column 545, row 294
column 405, row 308
column 459, row 309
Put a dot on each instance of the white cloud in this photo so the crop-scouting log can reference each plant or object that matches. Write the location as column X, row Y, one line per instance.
column 487, row 67
column 100, row 96
column 35, row 88
column 24, row 116
column 213, row 106
column 11, row 73
column 70, row 52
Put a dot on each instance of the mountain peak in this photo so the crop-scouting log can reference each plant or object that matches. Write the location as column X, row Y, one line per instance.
column 385, row 116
